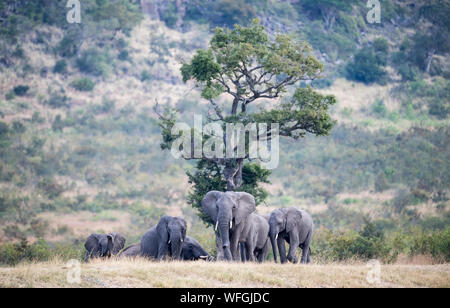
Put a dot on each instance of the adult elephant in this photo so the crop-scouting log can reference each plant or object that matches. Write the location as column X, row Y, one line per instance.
column 103, row 245
column 165, row 239
column 131, row 251
column 193, row 251
column 295, row 227
column 230, row 212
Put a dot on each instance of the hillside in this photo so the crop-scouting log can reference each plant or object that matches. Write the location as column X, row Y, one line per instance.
column 80, row 142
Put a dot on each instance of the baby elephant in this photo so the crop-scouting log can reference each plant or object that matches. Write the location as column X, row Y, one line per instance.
column 103, row 245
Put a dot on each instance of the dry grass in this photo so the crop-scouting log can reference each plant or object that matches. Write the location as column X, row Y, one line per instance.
column 142, row 273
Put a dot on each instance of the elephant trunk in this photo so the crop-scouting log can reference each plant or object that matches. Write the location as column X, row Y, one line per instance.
column 273, row 240
column 175, row 245
column 225, row 235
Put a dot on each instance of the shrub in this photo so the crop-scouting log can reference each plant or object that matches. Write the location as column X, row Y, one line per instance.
column 60, row 67
column 83, row 84
column 12, row 254
column 21, row 90
column 10, row 95
column 379, row 108
column 124, row 55
column 145, row 75
column 67, row 47
column 92, row 61
column 366, row 67
column 58, row 100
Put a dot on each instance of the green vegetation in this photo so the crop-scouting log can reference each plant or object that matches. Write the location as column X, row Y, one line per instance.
column 83, row 84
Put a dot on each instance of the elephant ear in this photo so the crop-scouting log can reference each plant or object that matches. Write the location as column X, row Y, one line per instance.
column 209, row 204
column 92, row 242
column 246, row 205
column 293, row 218
column 118, row 242
column 161, row 228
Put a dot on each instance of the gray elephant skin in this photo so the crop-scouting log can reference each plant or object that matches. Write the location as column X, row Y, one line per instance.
column 103, row 245
column 295, row 227
column 131, row 251
column 256, row 245
column 165, row 239
column 230, row 212
column 191, row 251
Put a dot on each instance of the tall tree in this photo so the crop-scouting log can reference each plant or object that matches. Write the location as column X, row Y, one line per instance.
column 247, row 66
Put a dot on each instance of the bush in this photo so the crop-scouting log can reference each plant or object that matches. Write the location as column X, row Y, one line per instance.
column 60, row 67
column 12, row 254
column 369, row 243
column 10, row 95
column 94, row 62
column 67, row 47
column 124, row 56
column 83, row 84
column 58, row 100
column 366, row 67
column 379, row 108
column 21, row 90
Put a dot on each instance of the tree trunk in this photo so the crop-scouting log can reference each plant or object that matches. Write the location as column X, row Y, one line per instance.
column 430, row 56
column 233, row 173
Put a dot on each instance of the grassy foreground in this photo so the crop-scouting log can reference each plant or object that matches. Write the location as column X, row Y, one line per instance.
column 142, row 273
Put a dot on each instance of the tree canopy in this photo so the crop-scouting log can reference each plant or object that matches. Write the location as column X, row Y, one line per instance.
column 247, row 65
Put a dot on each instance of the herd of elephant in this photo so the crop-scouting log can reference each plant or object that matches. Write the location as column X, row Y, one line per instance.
column 238, row 229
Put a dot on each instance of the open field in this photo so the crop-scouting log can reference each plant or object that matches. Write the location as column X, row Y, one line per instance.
column 141, row 273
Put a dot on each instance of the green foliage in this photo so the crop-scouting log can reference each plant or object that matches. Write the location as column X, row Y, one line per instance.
column 367, row 66
column 227, row 13
column 60, row 67
column 95, row 62
column 12, row 254
column 170, row 14
column 21, row 90
column 83, row 84
column 207, row 177
column 435, row 96
column 221, row 13
column 368, row 243
column 58, row 99
column 68, row 46
column 379, row 108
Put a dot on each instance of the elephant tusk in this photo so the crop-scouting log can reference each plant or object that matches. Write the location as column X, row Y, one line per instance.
column 276, row 236
column 168, row 242
column 217, row 224
column 182, row 240
column 231, row 224
column 203, row 257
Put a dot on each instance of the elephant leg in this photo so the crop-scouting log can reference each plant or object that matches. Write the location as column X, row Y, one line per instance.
column 306, row 250
column 234, row 245
column 264, row 252
column 308, row 260
column 281, row 249
column 163, row 250
column 86, row 256
column 294, row 243
column 220, row 252
column 250, row 252
column 243, row 252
